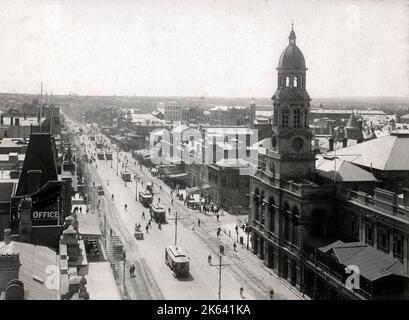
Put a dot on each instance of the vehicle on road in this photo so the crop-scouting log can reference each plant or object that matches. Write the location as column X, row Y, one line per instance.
column 145, row 197
column 101, row 156
column 108, row 155
column 126, row 175
column 138, row 234
column 158, row 212
column 177, row 261
column 100, row 191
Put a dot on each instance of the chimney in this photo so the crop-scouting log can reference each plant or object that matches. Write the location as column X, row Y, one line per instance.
column 25, row 220
column 7, row 236
column 34, row 180
column 15, row 290
column 9, row 267
column 331, row 144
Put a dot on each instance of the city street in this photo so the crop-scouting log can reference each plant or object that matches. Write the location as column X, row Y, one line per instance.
column 154, row 279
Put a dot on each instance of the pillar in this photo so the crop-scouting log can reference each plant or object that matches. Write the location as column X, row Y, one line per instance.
column 405, row 254
column 298, row 278
column 362, row 236
column 266, row 253
column 391, row 243
column 375, row 235
column 276, row 266
column 289, row 270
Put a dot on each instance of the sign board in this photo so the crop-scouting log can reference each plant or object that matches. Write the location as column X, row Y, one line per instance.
column 46, row 208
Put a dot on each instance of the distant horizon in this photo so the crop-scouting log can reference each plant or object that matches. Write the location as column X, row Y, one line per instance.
column 200, row 97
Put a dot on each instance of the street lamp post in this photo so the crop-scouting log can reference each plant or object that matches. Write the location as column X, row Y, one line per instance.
column 220, row 265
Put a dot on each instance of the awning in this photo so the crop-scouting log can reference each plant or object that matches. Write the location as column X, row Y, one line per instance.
column 198, row 188
column 177, row 175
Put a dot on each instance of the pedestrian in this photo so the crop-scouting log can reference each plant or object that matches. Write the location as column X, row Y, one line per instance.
column 160, row 188
column 218, row 232
column 159, row 200
column 126, row 207
column 160, row 226
column 271, row 294
column 110, row 232
column 147, row 228
column 209, row 259
column 217, row 217
column 198, row 223
column 171, row 201
column 143, row 215
column 234, row 246
column 241, row 292
column 237, row 229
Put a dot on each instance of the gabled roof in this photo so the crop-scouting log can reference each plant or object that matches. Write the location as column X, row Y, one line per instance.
column 372, row 264
column 41, row 155
column 388, row 152
column 344, row 171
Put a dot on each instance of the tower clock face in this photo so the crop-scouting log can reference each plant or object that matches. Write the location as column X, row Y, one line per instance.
column 297, row 143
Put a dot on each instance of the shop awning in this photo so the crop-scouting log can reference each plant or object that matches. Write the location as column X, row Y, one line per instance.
column 177, row 175
column 198, row 188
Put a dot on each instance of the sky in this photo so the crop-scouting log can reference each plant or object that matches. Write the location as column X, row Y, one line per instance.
column 202, row 47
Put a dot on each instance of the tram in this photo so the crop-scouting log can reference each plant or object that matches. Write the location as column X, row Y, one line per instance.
column 177, row 261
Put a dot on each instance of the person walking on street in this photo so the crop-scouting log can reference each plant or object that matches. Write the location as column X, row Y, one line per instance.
column 217, row 217
column 209, row 259
column 198, row 223
column 147, row 228
column 235, row 246
column 241, row 292
column 271, row 294
column 218, row 232
column 171, row 201
column 143, row 214
column 110, row 232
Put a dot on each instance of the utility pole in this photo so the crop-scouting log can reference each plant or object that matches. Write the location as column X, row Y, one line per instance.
column 176, row 229
column 220, row 265
column 136, row 188
column 117, row 160
column 124, row 269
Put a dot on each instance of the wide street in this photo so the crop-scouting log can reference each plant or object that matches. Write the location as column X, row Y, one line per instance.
column 154, row 279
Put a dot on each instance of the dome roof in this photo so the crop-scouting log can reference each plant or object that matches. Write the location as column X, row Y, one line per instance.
column 292, row 57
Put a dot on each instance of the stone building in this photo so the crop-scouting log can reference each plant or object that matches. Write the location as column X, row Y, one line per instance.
column 310, row 223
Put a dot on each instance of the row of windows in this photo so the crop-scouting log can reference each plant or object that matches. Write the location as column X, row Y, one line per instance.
column 350, row 225
column 285, row 116
column 294, row 82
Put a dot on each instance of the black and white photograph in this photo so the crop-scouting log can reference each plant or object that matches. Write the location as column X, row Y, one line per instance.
column 218, row 152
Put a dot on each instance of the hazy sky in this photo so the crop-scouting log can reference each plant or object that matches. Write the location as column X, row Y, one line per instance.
column 202, row 47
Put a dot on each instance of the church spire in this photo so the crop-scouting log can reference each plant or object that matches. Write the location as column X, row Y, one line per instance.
column 292, row 36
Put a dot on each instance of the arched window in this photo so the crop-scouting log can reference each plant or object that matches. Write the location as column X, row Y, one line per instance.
column 287, row 81
column 295, row 82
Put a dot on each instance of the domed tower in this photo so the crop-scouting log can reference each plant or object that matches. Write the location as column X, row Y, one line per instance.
column 291, row 138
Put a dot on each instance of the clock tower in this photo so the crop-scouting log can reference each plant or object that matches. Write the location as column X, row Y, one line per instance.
column 292, row 155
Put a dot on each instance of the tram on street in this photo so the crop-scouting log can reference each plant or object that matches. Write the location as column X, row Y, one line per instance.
column 145, row 197
column 177, row 261
column 101, row 156
column 126, row 175
column 158, row 212
column 108, row 155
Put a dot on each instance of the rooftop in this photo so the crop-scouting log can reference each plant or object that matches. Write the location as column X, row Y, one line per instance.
column 372, row 263
column 388, row 152
column 35, row 262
